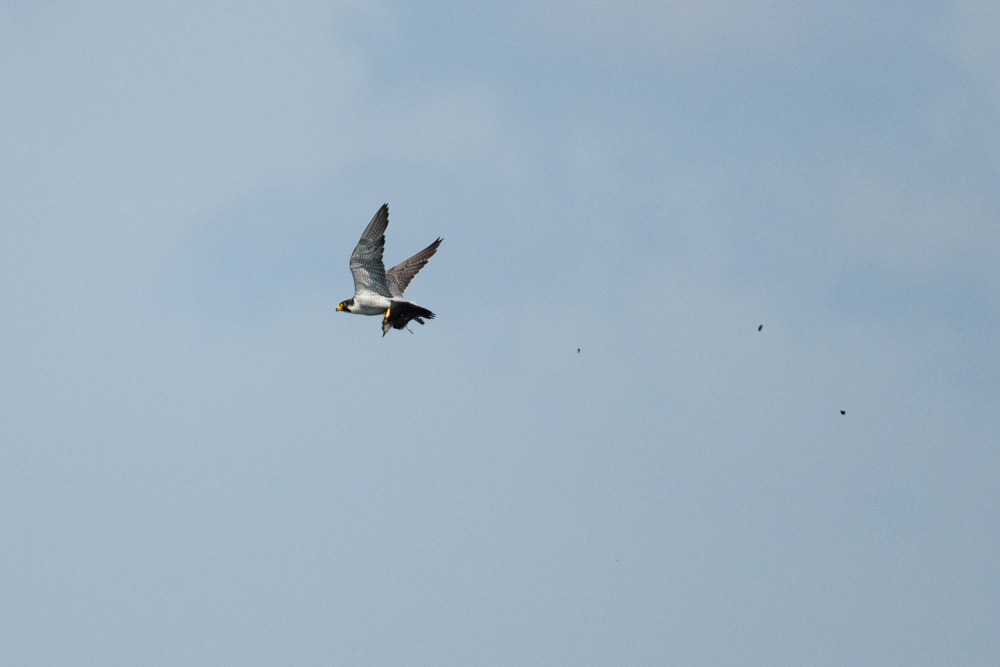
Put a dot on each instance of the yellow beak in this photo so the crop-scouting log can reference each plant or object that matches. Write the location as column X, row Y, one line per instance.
column 340, row 306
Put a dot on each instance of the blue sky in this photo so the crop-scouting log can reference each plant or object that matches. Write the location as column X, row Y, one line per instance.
column 204, row 463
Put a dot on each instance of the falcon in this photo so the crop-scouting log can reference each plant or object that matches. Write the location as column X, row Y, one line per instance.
column 380, row 292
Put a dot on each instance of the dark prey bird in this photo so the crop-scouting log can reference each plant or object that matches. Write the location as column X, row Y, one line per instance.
column 380, row 292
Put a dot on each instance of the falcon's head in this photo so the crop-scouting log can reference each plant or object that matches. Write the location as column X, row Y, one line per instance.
column 345, row 305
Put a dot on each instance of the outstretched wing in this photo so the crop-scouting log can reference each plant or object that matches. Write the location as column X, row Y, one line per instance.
column 366, row 260
column 400, row 275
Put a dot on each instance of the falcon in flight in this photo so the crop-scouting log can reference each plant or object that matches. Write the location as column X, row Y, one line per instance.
column 380, row 292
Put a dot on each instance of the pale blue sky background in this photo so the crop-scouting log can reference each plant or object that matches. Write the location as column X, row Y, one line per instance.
column 201, row 463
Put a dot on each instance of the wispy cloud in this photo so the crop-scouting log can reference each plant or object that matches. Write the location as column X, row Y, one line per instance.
column 674, row 27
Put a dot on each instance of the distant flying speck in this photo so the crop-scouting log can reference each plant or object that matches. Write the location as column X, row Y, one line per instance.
column 578, row 350
column 760, row 327
column 380, row 292
column 842, row 412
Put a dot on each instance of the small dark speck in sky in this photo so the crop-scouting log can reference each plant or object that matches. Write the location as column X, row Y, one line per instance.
column 578, row 350
column 843, row 412
column 760, row 327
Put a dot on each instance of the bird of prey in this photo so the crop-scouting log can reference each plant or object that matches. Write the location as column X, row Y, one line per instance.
column 380, row 292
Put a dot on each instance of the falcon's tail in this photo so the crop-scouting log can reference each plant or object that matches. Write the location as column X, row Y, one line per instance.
column 400, row 314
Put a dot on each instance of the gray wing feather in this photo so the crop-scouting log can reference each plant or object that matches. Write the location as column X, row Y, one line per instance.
column 399, row 276
column 366, row 260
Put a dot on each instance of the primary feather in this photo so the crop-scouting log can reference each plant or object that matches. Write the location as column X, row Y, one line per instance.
column 399, row 276
column 366, row 260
